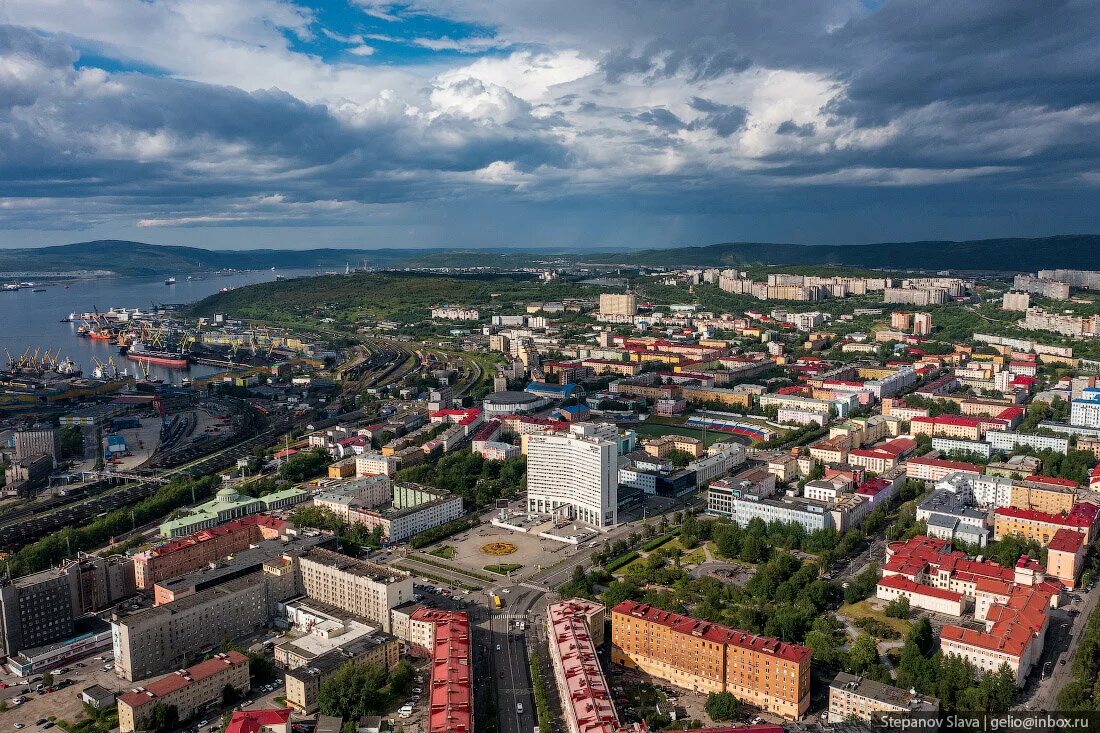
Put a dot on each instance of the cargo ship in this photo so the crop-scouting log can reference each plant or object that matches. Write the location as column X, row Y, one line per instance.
column 137, row 351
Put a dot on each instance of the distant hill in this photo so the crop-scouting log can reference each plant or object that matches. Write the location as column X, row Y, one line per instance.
column 1021, row 255
column 140, row 259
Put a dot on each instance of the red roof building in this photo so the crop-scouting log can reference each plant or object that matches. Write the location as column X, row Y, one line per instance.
column 582, row 686
column 450, row 697
column 260, row 721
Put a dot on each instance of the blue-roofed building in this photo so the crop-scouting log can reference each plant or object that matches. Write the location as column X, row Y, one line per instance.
column 572, row 413
column 555, row 391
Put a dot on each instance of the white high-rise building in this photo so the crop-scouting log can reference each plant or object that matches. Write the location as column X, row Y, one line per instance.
column 575, row 474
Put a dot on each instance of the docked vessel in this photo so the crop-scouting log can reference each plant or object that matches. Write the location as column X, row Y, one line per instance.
column 138, row 351
column 170, row 281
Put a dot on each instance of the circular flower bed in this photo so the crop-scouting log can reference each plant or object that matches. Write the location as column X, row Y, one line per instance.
column 499, row 549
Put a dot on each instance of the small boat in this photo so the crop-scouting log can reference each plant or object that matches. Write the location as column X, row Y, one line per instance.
column 170, row 281
column 273, row 269
column 224, row 290
column 39, row 290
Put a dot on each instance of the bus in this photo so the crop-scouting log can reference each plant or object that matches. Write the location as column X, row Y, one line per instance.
column 497, row 602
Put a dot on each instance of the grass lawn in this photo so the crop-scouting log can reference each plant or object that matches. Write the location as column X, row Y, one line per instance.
column 864, row 609
column 503, row 569
column 444, row 551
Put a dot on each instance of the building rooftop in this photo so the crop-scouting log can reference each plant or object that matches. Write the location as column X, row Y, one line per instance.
column 254, row 721
column 450, row 696
column 353, row 566
column 169, row 683
column 888, row 694
column 714, row 632
column 902, row 583
column 589, row 696
column 1066, row 540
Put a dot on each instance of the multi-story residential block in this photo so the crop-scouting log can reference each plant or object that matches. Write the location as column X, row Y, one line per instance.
column 1041, row 286
column 1042, row 526
column 187, row 690
column 915, row 296
column 948, row 426
column 924, row 468
column 450, row 697
column 1004, row 440
column 959, row 445
column 1084, row 411
column 575, row 474
column 1087, row 279
column 370, row 464
column 303, row 681
column 1016, row 301
column 1038, row 319
column 1066, row 556
column 812, row 515
column 413, row 509
column 152, row 640
column 574, row 634
column 618, row 304
column 360, row 587
column 1041, row 493
column 857, row 697
column 705, row 657
column 365, row 493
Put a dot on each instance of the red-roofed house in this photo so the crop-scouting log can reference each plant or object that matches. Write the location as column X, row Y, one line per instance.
column 1042, row 526
column 260, row 721
column 189, row 690
column 705, row 657
column 450, row 696
column 923, row 596
column 1066, row 556
column 936, row 469
column 574, row 633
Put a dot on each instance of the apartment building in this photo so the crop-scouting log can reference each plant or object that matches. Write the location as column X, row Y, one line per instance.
column 1042, row 526
column 947, row 426
column 1041, row 286
column 414, row 509
column 151, row 640
column 618, row 304
column 705, row 657
column 450, row 697
column 1004, row 440
column 575, row 473
column 574, row 633
column 857, row 697
column 1084, row 411
column 1066, row 556
column 188, row 690
column 359, row 587
column 369, row 464
column 184, row 555
column 915, row 296
column 303, row 682
column 1015, row 301
column 924, row 468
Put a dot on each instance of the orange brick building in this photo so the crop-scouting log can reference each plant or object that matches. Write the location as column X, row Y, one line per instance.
column 705, row 657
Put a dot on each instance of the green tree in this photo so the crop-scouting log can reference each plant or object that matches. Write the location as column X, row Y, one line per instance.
column 898, row 608
column 722, row 706
column 863, row 655
column 164, row 718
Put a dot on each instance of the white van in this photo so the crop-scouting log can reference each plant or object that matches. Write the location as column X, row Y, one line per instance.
column 519, row 708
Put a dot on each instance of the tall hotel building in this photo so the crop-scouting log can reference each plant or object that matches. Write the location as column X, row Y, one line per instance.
column 575, row 474
column 705, row 657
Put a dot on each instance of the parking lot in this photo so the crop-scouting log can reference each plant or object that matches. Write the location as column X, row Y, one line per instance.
column 62, row 704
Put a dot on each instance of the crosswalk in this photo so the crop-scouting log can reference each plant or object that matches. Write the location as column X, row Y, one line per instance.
column 511, row 616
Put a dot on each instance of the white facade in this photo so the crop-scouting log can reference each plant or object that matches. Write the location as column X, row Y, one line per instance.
column 1002, row 440
column 575, row 473
column 952, row 445
column 369, row 464
column 811, row 515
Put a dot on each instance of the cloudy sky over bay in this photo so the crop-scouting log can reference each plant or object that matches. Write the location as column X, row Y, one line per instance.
column 242, row 123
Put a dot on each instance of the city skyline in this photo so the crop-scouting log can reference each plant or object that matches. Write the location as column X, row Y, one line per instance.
column 436, row 123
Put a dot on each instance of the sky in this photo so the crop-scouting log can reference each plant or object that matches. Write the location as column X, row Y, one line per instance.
column 570, row 123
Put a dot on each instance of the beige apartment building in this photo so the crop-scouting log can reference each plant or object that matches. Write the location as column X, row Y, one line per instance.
column 618, row 304
column 356, row 586
column 189, row 690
